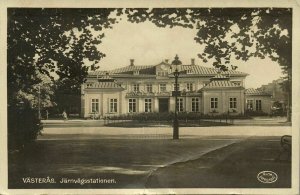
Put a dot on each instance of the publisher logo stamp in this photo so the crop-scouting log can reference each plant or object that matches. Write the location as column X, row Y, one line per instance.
column 267, row 177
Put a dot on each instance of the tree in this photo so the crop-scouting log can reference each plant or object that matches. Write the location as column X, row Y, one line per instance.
column 57, row 43
column 61, row 44
column 232, row 33
column 53, row 42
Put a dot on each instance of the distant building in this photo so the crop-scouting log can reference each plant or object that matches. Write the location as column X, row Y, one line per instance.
column 279, row 96
column 258, row 101
column 148, row 88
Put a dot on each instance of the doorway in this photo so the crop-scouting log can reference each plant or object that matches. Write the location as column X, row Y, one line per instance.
column 163, row 105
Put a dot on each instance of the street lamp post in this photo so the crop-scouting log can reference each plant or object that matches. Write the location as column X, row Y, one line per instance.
column 39, row 102
column 176, row 124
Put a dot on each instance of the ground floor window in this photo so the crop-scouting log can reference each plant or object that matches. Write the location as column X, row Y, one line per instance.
column 258, row 105
column 148, row 105
column 95, row 105
column 180, row 104
column 113, row 105
column 132, row 105
column 249, row 104
column 213, row 103
column 195, row 104
column 232, row 103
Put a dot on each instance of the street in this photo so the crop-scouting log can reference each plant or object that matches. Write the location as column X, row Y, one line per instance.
column 148, row 158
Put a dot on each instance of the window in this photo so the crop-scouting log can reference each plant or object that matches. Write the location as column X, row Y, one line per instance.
column 232, row 103
column 163, row 87
column 180, row 104
column 113, row 105
column 195, row 104
column 149, row 88
column 249, row 104
column 162, row 73
column 136, row 87
column 258, row 105
column 178, row 87
column 148, row 105
column 95, row 105
column 214, row 103
column 237, row 83
column 132, row 105
column 189, row 86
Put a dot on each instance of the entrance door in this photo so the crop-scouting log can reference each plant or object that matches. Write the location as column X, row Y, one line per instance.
column 163, row 105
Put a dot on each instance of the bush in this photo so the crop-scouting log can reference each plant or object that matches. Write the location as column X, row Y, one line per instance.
column 169, row 116
column 23, row 126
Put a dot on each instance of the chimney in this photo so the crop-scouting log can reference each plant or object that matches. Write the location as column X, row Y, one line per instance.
column 167, row 61
column 131, row 62
column 193, row 61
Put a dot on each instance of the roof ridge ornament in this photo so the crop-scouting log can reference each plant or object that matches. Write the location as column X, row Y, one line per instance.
column 176, row 61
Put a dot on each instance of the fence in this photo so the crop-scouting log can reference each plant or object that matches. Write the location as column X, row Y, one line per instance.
column 157, row 119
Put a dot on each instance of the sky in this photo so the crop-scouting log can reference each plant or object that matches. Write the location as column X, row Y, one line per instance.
column 148, row 44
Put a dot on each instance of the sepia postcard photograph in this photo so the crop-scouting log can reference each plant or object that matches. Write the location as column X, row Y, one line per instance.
column 141, row 97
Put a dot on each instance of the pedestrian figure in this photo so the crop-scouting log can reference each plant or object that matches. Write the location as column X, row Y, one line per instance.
column 65, row 116
column 47, row 113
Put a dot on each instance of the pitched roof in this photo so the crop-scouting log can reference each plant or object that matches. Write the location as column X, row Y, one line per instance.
column 127, row 70
column 150, row 69
column 202, row 70
column 104, row 85
column 106, row 77
column 220, row 77
column 252, row 91
column 221, row 84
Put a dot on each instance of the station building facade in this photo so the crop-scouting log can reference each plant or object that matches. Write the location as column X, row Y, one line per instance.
column 148, row 88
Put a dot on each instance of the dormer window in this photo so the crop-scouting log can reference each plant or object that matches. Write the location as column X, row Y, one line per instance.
column 162, row 69
column 189, row 71
column 237, row 83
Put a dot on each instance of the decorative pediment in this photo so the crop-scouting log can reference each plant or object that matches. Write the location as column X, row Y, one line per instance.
column 163, row 69
column 163, row 66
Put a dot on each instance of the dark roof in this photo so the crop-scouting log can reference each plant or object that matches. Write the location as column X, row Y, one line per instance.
column 104, row 85
column 221, row 84
column 150, row 69
column 252, row 91
column 127, row 70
